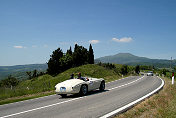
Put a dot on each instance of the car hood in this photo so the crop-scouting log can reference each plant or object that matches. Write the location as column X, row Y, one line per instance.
column 70, row 83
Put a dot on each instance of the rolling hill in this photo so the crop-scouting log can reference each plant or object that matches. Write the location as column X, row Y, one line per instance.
column 129, row 59
column 19, row 71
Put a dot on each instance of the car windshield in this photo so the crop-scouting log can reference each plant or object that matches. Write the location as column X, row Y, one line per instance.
column 150, row 71
column 83, row 78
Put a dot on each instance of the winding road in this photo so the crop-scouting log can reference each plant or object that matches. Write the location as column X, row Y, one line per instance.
column 118, row 96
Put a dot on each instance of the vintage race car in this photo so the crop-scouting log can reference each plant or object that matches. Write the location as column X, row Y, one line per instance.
column 150, row 73
column 81, row 86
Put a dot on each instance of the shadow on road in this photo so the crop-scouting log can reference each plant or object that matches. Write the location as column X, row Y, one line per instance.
column 88, row 94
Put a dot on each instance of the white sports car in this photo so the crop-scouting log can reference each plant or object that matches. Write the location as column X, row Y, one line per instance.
column 81, row 86
column 150, row 73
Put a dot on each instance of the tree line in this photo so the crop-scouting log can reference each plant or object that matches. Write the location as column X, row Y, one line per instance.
column 60, row 61
column 124, row 70
column 34, row 73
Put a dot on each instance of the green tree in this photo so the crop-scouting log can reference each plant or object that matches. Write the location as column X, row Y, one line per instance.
column 80, row 55
column 90, row 55
column 34, row 73
column 124, row 70
column 69, row 52
column 54, row 64
column 9, row 81
column 163, row 71
column 66, row 61
column 1, row 84
column 137, row 69
column 175, row 68
column 60, row 61
column 145, row 67
column 29, row 75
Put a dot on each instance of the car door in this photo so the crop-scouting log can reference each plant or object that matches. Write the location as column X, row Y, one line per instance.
column 94, row 83
column 90, row 85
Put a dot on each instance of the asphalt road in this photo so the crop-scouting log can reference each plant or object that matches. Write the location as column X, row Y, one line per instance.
column 95, row 104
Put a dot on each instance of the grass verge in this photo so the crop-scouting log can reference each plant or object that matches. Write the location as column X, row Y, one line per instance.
column 26, row 97
column 160, row 105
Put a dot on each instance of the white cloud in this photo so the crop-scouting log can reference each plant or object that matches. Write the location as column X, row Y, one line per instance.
column 19, row 47
column 94, row 41
column 123, row 40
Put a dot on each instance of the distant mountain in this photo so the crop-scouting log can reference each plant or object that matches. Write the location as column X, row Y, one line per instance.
column 129, row 59
column 19, row 71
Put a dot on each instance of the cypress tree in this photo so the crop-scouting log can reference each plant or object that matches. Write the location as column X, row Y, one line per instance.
column 90, row 55
column 69, row 51
column 137, row 69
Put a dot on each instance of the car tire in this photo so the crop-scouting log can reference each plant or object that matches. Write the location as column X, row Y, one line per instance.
column 102, row 86
column 63, row 95
column 83, row 90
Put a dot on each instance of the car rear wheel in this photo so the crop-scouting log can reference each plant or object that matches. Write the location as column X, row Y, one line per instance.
column 102, row 86
column 83, row 90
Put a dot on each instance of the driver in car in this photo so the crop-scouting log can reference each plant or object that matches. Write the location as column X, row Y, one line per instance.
column 72, row 76
column 82, row 78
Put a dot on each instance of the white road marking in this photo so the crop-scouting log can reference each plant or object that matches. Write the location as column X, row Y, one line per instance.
column 40, row 108
column 132, row 103
column 63, row 101
column 126, row 84
column 117, row 80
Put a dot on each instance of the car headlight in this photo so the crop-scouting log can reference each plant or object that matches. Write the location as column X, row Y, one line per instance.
column 63, row 89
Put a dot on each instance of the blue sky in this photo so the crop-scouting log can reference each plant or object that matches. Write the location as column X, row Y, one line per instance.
column 31, row 29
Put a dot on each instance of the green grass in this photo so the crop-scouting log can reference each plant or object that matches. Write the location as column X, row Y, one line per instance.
column 47, row 83
column 170, row 110
column 26, row 97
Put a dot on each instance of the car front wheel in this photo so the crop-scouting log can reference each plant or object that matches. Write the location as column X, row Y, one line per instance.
column 83, row 90
column 102, row 86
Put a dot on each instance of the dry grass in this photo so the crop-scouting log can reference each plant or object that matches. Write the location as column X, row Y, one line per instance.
column 157, row 106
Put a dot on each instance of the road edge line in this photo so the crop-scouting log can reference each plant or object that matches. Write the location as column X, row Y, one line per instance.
column 120, row 110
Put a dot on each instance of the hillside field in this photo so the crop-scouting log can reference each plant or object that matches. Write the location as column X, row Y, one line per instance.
column 19, row 71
